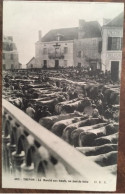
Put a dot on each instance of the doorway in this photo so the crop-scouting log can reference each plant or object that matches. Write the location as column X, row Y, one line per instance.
column 56, row 64
column 93, row 66
column 114, row 70
column 45, row 64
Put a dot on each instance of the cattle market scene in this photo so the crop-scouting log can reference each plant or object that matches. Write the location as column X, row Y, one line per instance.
column 62, row 107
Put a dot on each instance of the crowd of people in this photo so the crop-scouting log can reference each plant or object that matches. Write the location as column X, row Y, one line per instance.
column 82, row 74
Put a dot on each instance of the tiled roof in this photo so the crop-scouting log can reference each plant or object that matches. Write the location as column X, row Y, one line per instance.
column 117, row 21
column 91, row 29
column 67, row 34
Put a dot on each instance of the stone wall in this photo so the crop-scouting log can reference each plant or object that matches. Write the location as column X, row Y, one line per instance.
column 89, row 49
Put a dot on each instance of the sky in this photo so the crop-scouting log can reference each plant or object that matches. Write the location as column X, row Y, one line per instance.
column 23, row 20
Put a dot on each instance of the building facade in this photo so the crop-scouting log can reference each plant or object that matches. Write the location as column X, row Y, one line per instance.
column 10, row 55
column 31, row 64
column 112, row 38
column 88, row 45
column 66, row 47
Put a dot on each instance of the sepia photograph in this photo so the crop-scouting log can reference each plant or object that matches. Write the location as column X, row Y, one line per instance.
column 61, row 75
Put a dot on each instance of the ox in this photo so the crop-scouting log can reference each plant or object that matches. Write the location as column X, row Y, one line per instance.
column 49, row 121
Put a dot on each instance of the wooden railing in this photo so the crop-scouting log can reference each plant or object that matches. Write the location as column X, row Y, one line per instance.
column 30, row 149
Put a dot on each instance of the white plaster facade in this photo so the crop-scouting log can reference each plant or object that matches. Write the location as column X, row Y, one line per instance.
column 46, row 51
column 111, row 55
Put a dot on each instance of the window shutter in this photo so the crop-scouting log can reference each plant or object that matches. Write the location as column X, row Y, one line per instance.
column 121, row 43
column 109, row 43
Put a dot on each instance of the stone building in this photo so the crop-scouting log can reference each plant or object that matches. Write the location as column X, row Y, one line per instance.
column 78, row 46
column 10, row 55
column 31, row 64
column 87, row 47
column 111, row 56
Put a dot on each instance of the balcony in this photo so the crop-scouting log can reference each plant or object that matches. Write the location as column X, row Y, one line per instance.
column 56, row 55
column 30, row 150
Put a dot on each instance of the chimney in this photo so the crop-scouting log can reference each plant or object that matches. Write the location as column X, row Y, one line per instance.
column 40, row 35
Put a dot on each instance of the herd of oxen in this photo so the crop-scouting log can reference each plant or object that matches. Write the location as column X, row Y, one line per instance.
column 84, row 114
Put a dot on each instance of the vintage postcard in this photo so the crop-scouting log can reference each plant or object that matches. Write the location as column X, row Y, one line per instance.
column 61, row 69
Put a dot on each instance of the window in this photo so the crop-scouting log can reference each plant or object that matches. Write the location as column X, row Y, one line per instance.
column 7, row 47
column 79, row 54
column 44, row 51
column 114, row 43
column 11, row 56
column 3, row 55
column 65, row 50
column 65, row 63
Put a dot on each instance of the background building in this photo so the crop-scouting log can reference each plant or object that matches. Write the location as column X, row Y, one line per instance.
column 56, row 48
column 87, row 47
column 31, row 64
column 78, row 46
column 112, row 36
column 10, row 54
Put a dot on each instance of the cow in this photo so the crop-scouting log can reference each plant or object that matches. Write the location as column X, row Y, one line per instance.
column 85, row 121
column 67, row 131
column 49, row 121
column 59, row 106
column 76, row 104
column 106, row 139
column 50, row 104
column 97, row 150
column 86, row 137
column 59, row 126
column 112, row 128
column 107, row 159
